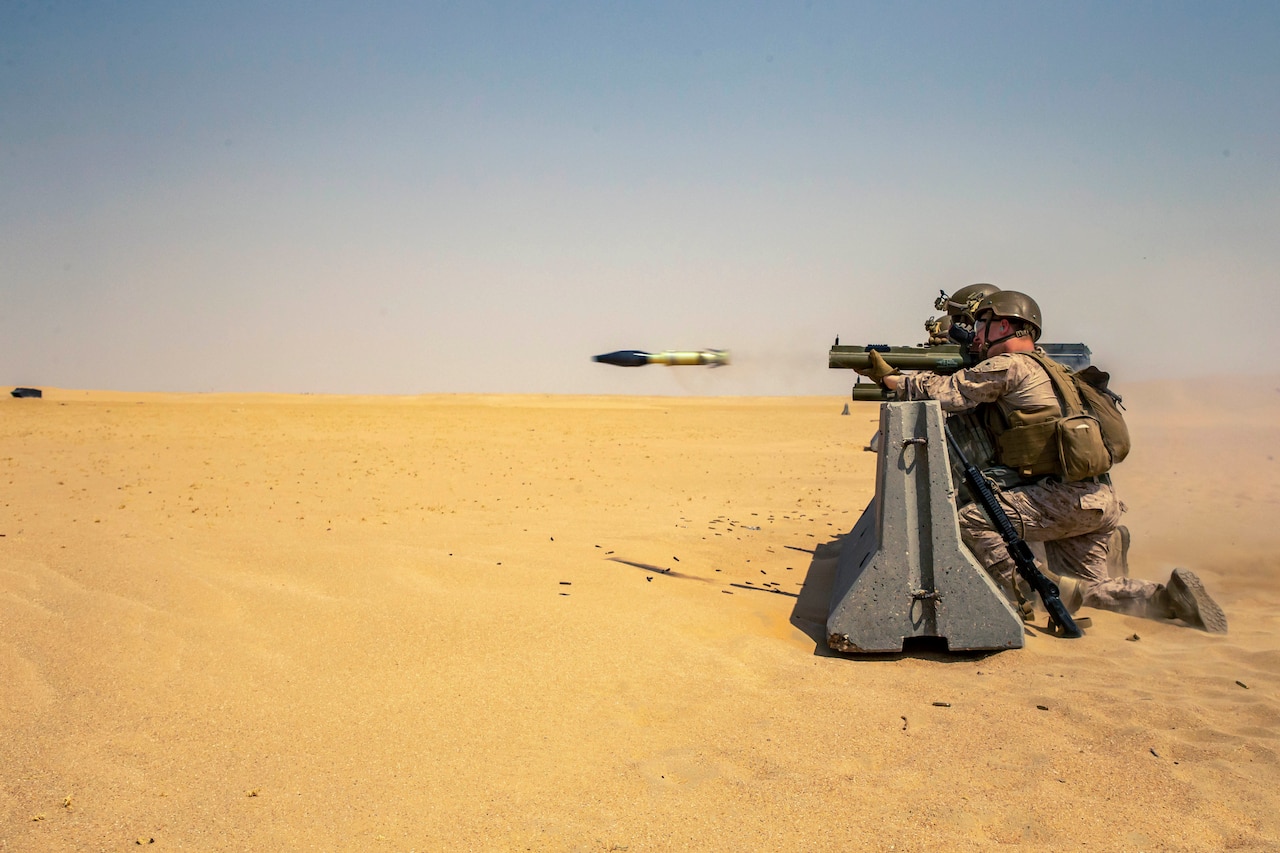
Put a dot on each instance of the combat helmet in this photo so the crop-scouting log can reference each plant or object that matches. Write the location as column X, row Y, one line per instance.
column 959, row 312
column 963, row 301
column 1012, row 305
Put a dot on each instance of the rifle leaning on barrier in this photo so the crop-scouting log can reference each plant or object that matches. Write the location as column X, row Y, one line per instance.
column 1019, row 550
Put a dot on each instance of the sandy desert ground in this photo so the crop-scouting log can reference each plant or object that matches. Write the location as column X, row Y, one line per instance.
column 575, row 623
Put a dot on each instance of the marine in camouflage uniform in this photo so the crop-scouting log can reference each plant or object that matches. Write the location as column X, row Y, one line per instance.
column 967, row 428
column 1074, row 520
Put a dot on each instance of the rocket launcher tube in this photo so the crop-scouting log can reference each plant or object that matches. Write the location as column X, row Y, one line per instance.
column 947, row 358
column 870, row 392
column 942, row 358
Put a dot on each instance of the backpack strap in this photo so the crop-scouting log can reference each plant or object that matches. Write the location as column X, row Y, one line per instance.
column 1068, row 394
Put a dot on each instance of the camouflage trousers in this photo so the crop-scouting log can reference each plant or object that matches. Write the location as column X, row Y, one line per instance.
column 1074, row 521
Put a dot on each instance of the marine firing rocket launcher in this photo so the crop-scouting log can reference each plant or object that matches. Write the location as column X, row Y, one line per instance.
column 903, row 571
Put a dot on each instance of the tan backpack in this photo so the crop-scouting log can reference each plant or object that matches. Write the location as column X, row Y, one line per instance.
column 1091, row 435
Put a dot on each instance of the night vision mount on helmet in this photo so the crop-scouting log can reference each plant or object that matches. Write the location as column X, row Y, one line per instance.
column 959, row 314
column 964, row 300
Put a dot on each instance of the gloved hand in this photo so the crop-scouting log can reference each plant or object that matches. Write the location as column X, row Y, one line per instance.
column 878, row 368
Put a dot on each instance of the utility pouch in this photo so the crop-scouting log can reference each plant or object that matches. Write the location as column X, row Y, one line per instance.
column 1081, row 449
column 1031, row 449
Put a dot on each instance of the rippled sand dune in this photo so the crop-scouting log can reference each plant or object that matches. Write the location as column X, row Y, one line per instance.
column 570, row 623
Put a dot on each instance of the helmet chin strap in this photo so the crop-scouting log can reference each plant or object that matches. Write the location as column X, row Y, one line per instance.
column 1016, row 333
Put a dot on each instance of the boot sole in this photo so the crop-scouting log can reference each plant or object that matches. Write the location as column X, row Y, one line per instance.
column 1193, row 605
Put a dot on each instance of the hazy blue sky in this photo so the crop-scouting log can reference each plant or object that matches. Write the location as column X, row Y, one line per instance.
column 421, row 197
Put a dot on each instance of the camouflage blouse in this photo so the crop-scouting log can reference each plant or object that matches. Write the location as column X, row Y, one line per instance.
column 1011, row 380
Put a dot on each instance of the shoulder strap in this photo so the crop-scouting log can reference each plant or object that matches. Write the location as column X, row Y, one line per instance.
column 1063, row 384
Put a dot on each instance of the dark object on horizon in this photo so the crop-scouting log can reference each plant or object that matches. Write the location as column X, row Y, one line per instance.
column 27, row 392
column 639, row 358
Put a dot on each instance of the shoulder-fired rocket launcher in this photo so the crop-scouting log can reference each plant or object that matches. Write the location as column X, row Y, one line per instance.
column 940, row 358
column 638, row 358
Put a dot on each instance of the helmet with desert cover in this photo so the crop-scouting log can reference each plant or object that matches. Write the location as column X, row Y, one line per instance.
column 1012, row 305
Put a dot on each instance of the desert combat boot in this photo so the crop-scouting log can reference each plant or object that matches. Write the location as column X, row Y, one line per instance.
column 1184, row 597
column 1070, row 589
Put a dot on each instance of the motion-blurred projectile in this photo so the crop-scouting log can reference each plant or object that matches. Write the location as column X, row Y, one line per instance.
column 637, row 358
